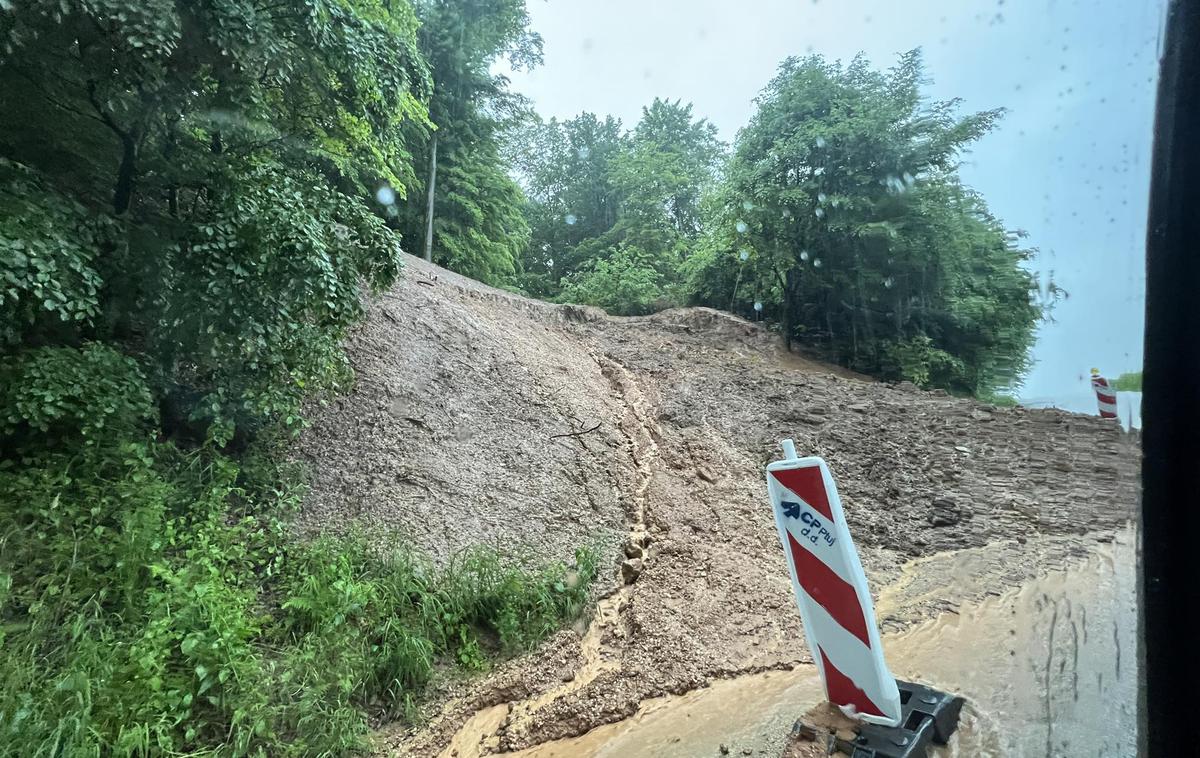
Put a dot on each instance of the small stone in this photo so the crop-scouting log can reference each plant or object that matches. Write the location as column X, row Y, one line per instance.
column 945, row 512
column 724, row 750
column 804, row 731
column 631, row 570
column 706, row 475
column 633, row 549
column 943, row 518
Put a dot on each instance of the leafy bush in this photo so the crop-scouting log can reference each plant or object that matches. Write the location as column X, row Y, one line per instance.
column 842, row 210
column 48, row 250
column 195, row 187
column 621, row 284
column 72, row 395
column 251, row 305
column 917, row 360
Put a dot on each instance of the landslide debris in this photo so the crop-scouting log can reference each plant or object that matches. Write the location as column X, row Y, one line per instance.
column 482, row 416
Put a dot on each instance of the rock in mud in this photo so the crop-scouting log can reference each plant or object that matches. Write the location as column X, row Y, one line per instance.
column 631, row 570
column 945, row 513
column 633, row 549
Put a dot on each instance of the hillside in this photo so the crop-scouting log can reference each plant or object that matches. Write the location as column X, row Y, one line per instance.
column 481, row 416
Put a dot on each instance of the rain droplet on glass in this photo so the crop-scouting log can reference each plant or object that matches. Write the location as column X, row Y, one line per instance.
column 821, row 197
column 570, row 219
column 803, row 255
column 742, row 227
column 758, row 305
column 385, row 195
column 747, row 205
column 743, row 255
column 820, row 212
column 820, row 142
column 817, row 263
column 584, row 153
column 888, row 282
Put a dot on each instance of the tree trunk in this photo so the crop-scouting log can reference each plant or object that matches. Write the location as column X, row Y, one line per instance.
column 791, row 284
column 429, row 201
column 123, row 190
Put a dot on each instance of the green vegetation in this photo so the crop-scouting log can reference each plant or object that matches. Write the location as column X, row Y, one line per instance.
column 1130, row 382
column 615, row 215
column 192, row 198
column 478, row 228
column 152, row 603
column 843, row 193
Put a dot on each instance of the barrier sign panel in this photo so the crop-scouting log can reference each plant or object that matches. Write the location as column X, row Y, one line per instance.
column 831, row 589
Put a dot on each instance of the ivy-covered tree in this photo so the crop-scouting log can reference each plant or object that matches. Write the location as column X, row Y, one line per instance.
column 841, row 211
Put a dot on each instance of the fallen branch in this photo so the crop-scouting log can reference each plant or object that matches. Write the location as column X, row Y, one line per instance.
column 575, row 434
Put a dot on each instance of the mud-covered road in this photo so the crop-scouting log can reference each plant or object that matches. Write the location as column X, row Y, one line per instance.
column 480, row 416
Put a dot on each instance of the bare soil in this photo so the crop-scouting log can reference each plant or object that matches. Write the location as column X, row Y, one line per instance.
column 454, row 436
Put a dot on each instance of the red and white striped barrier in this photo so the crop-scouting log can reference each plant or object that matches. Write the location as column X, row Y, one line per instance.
column 831, row 589
column 1106, row 397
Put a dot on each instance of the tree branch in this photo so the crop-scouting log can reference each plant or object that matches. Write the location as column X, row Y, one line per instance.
column 576, row 434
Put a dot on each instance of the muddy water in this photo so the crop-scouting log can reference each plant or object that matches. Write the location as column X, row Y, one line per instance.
column 730, row 712
column 1048, row 670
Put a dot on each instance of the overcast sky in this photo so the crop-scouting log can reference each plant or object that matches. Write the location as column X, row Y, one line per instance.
column 1069, row 164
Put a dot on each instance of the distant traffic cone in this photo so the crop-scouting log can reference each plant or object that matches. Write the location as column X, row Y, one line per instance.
column 1106, row 396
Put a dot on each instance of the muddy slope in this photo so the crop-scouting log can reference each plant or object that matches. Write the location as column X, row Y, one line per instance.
column 450, row 439
column 452, row 435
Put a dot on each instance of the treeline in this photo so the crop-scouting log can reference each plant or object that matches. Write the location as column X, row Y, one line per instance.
column 194, row 199
column 837, row 215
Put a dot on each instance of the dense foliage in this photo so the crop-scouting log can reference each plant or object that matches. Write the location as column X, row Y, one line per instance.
column 1128, row 382
column 843, row 199
column 192, row 208
column 477, row 225
column 185, row 179
column 152, row 603
column 615, row 215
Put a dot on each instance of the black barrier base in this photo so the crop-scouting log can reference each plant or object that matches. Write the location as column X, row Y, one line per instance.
column 927, row 716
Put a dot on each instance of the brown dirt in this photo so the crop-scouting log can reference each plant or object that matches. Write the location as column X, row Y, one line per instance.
column 448, row 440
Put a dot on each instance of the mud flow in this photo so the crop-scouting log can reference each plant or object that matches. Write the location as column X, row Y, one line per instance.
column 1048, row 669
column 994, row 539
